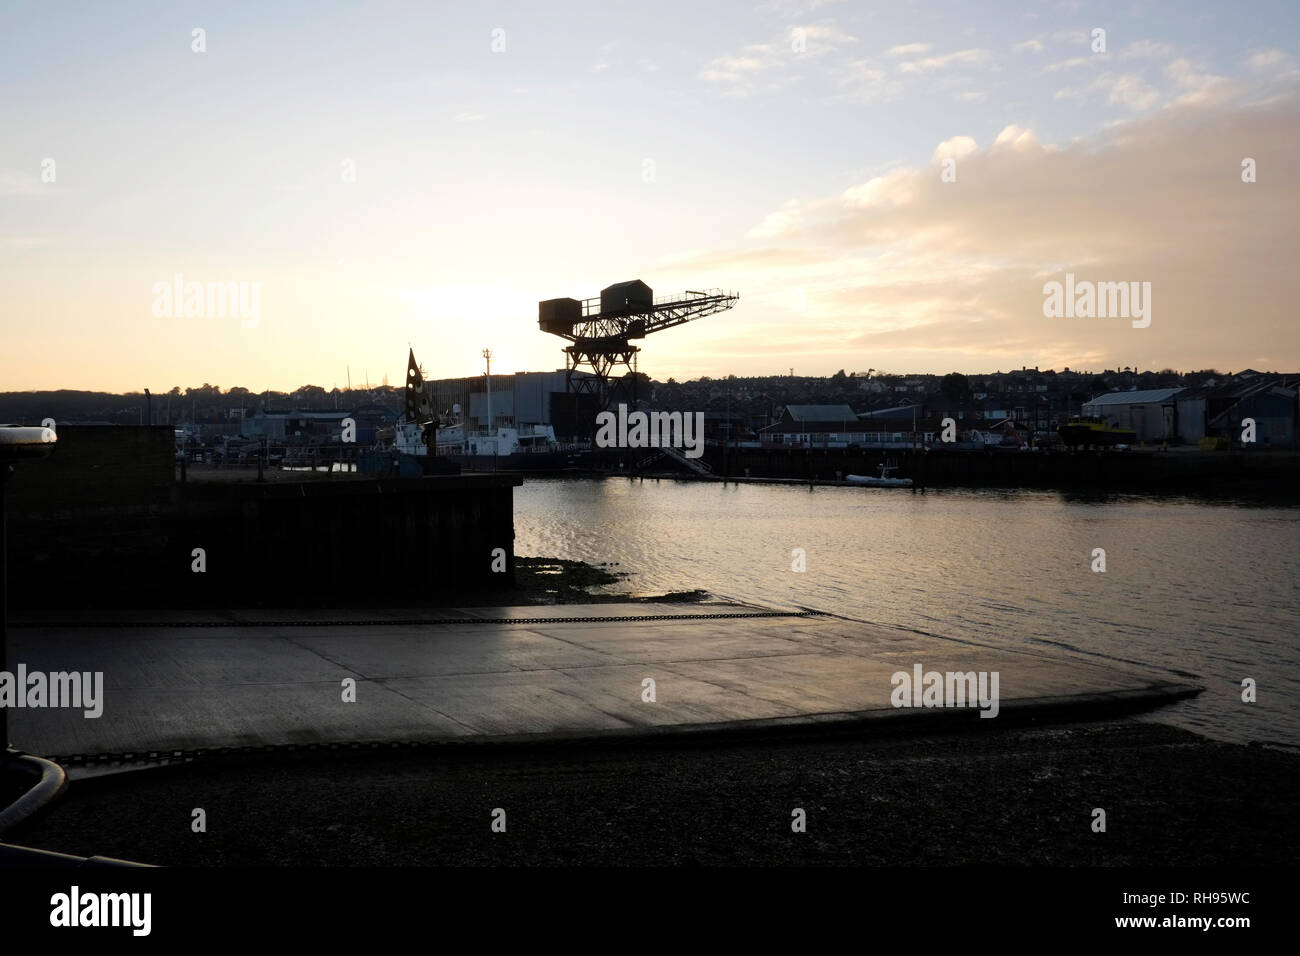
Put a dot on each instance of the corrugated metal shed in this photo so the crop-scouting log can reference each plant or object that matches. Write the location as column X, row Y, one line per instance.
column 1152, row 413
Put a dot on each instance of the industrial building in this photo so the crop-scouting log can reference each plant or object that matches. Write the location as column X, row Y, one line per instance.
column 1217, row 411
column 1152, row 413
column 534, row 398
column 312, row 426
column 1189, row 415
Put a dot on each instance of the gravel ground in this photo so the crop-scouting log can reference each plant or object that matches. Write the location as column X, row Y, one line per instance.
column 1016, row 797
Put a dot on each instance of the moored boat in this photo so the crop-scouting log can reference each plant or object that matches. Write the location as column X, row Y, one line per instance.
column 1094, row 431
column 884, row 481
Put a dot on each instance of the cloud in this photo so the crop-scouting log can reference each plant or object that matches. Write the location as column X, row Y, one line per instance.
column 924, row 273
column 866, row 81
column 1013, row 137
column 909, row 49
column 774, row 65
column 1076, row 37
column 789, row 9
column 890, row 188
column 777, row 223
column 1265, row 59
column 823, row 37
column 1030, row 46
column 743, row 73
column 972, row 57
column 1125, row 89
column 1146, row 49
column 1198, row 87
column 1074, row 62
column 955, row 148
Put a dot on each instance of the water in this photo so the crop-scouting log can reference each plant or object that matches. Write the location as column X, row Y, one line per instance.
column 1204, row 589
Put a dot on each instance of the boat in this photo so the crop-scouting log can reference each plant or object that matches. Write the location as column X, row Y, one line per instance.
column 884, row 481
column 1095, row 431
column 525, row 446
column 430, row 442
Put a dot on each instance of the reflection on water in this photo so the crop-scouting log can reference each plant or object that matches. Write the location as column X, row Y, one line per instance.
column 1200, row 588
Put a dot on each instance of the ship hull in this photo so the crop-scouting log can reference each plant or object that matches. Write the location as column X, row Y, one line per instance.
column 1085, row 435
column 869, row 482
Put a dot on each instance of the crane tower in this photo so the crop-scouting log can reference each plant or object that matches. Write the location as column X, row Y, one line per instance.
column 601, row 331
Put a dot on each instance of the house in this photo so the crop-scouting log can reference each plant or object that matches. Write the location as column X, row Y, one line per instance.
column 837, row 426
column 807, row 424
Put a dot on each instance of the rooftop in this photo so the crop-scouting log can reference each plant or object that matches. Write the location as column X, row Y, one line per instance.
column 1135, row 398
column 821, row 413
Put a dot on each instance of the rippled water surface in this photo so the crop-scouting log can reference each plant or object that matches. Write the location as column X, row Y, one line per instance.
column 1206, row 589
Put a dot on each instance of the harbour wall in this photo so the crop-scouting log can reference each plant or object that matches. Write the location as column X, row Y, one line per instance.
column 104, row 522
column 1267, row 473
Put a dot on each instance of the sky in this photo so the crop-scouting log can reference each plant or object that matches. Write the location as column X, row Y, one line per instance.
column 887, row 186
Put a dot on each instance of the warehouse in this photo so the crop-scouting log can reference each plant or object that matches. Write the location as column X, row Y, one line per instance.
column 522, row 398
column 1152, row 413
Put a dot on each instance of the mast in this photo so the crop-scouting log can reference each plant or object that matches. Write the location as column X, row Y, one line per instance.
column 419, row 410
column 487, row 357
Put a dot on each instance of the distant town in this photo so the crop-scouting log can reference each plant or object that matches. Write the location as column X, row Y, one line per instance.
column 1166, row 406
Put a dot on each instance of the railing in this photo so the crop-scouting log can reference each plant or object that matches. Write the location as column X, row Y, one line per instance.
column 846, row 438
column 591, row 307
column 694, row 464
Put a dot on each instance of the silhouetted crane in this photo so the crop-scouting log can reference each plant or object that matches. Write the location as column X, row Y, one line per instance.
column 602, row 329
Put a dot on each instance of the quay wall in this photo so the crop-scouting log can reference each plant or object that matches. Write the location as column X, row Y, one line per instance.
column 1269, row 473
column 1226, row 472
column 104, row 522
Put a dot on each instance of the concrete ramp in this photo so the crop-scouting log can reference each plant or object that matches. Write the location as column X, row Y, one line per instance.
column 532, row 673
